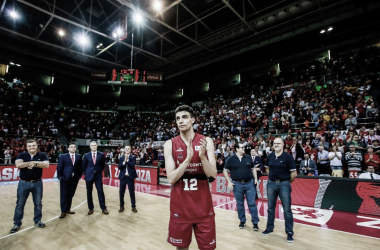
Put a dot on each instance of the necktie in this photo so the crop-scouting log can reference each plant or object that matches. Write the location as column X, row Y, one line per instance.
column 307, row 163
column 371, row 176
column 72, row 159
column 94, row 158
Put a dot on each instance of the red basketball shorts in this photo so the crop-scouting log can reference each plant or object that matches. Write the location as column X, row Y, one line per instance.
column 180, row 234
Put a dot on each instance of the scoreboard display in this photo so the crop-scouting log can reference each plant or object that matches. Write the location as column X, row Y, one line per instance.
column 129, row 75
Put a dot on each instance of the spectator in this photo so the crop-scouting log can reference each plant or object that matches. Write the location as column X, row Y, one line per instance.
column 308, row 166
column 316, row 140
column 335, row 157
column 370, row 137
column 370, row 174
column 354, row 159
column 371, row 159
column 324, row 143
column 360, row 147
column 350, row 121
column 8, row 155
column 323, row 161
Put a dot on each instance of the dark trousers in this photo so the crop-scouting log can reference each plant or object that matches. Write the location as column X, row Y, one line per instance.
column 323, row 168
column 99, row 188
column 67, row 193
column 131, row 187
column 23, row 190
column 282, row 189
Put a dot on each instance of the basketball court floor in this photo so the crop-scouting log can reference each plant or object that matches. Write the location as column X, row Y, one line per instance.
column 147, row 229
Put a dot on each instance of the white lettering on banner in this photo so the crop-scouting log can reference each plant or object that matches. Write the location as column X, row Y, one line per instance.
column 117, row 172
column 143, row 175
column 55, row 173
column 221, row 186
column 16, row 173
column 7, row 174
column 371, row 223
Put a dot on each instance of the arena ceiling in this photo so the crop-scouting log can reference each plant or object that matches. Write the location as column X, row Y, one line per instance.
column 202, row 38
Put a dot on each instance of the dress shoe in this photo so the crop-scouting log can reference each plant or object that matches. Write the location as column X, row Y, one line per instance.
column 90, row 212
column 70, row 212
column 15, row 229
column 134, row 210
column 105, row 211
column 121, row 209
column 63, row 215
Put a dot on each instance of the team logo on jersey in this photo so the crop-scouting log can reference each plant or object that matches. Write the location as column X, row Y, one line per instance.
column 176, row 215
column 179, row 150
column 180, row 156
column 197, row 148
column 213, row 242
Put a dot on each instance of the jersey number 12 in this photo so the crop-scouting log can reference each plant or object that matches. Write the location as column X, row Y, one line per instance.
column 193, row 184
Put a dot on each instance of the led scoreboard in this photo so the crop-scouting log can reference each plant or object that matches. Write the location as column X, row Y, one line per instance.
column 130, row 75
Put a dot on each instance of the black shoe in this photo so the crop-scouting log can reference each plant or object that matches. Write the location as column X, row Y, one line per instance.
column 39, row 224
column 255, row 227
column 267, row 232
column 14, row 229
column 290, row 238
column 242, row 225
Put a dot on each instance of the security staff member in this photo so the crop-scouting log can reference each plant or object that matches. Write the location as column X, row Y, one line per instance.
column 30, row 164
column 281, row 170
column 244, row 176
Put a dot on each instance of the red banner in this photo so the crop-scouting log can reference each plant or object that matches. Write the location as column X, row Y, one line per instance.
column 304, row 191
column 11, row 172
column 145, row 174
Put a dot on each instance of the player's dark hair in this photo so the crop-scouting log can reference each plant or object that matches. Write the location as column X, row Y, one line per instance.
column 185, row 108
column 71, row 143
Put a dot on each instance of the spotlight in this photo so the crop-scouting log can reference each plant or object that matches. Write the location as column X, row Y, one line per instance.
column 323, row 31
column 157, row 5
column 18, row 65
column 61, row 33
column 99, row 45
column 330, row 29
column 119, row 31
column 114, row 34
column 14, row 14
column 83, row 40
column 11, row 63
column 138, row 18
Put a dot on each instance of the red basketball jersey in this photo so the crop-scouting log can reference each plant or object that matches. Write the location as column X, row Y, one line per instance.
column 190, row 197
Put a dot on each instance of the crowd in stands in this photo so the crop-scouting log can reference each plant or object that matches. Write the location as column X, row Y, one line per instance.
column 334, row 123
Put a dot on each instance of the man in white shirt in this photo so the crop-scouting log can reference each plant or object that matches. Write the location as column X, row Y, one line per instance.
column 370, row 174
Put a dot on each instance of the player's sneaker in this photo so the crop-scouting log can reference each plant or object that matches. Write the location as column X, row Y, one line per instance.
column 242, row 225
column 255, row 227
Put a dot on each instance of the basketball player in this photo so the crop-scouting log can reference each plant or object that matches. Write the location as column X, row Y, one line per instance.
column 190, row 161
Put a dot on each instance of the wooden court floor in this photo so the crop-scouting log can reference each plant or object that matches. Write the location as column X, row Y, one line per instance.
column 146, row 229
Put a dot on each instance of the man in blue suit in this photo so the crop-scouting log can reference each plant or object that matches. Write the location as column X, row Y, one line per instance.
column 257, row 162
column 127, row 175
column 93, row 166
column 69, row 171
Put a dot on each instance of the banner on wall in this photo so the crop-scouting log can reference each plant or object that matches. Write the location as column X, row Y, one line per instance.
column 11, row 172
column 148, row 175
column 116, row 142
column 158, row 143
column 349, row 195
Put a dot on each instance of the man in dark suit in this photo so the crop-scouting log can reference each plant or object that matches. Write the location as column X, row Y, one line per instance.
column 308, row 166
column 69, row 171
column 127, row 175
column 93, row 167
column 257, row 162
